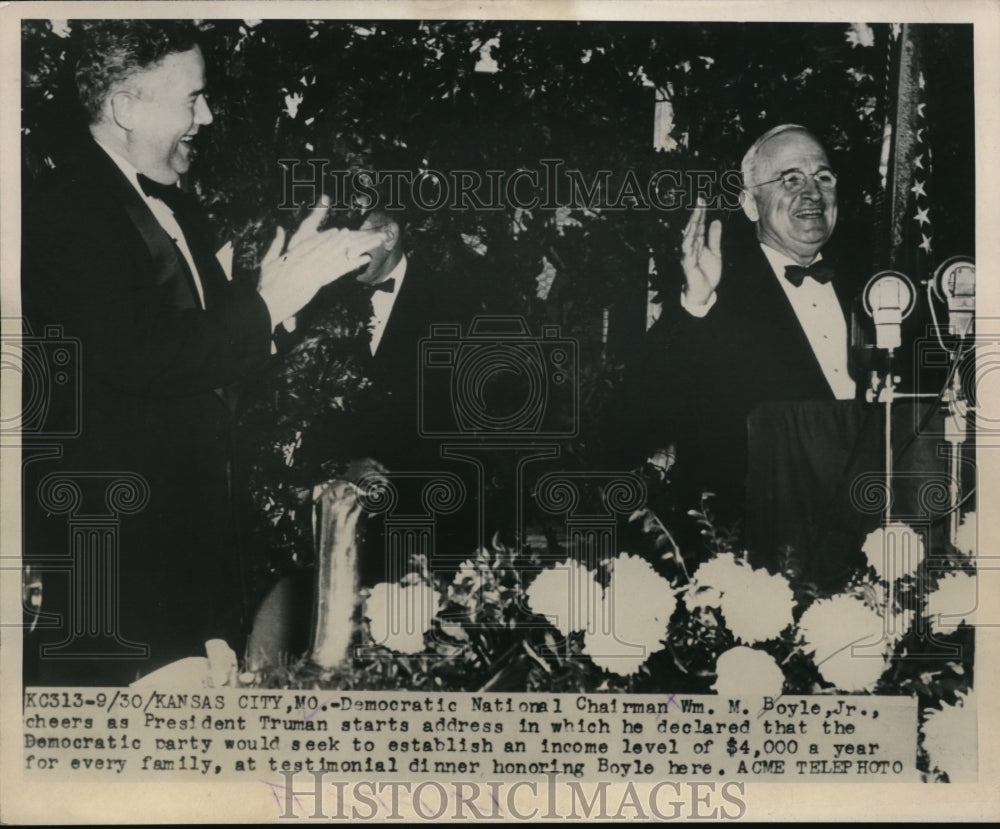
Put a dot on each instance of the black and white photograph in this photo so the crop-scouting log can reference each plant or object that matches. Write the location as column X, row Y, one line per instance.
column 572, row 414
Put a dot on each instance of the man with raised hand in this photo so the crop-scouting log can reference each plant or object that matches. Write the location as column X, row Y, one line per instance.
column 768, row 323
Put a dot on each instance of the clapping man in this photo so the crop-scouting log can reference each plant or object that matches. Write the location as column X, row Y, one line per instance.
column 115, row 253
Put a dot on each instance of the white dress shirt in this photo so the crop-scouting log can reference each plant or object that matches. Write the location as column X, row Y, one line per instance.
column 820, row 315
column 163, row 214
column 382, row 302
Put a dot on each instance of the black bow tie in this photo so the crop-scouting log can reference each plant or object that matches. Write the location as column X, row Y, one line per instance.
column 387, row 285
column 820, row 271
column 169, row 194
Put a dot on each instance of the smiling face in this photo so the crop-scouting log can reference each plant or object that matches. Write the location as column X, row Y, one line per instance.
column 385, row 255
column 797, row 224
column 167, row 109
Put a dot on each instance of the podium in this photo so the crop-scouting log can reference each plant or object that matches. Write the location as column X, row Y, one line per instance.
column 816, row 484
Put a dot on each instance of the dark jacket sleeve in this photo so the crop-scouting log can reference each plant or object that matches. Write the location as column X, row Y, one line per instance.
column 666, row 387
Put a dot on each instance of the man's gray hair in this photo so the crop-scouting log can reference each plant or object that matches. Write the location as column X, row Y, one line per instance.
column 115, row 50
column 749, row 165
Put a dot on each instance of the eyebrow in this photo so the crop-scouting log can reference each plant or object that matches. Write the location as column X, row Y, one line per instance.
column 825, row 167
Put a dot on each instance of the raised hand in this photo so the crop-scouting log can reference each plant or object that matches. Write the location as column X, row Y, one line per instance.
column 311, row 259
column 701, row 259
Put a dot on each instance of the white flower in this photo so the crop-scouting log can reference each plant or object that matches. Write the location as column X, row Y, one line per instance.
column 893, row 551
column 743, row 670
column 831, row 630
column 567, row 595
column 951, row 739
column 633, row 617
column 897, row 623
column 399, row 615
column 617, row 657
column 968, row 535
column 470, row 576
column 758, row 607
column 637, row 586
column 954, row 601
column 622, row 639
column 897, row 626
column 712, row 579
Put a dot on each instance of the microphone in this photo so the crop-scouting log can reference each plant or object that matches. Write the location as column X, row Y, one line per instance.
column 889, row 298
column 954, row 283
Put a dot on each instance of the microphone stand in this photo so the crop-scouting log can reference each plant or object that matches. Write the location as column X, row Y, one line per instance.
column 885, row 392
column 886, row 395
column 955, row 432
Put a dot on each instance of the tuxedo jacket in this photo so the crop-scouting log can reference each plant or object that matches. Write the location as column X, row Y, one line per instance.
column 706, row 375
column 388, row 428
column 383, row 422
column 151, row 363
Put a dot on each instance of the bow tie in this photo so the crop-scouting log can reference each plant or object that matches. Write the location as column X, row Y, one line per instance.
column 821, row 271
column 387, row 285
column 169, row 194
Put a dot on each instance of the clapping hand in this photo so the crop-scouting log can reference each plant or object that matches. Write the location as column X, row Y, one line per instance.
column 702, row 259
column 292, row 274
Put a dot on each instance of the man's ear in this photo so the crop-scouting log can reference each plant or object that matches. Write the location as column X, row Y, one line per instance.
column 749, row 204
column 122, row 106
column 391, row 237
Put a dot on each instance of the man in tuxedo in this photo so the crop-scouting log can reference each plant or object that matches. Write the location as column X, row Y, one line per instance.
column 119, row 257
column 407, row 298
column 762, row 324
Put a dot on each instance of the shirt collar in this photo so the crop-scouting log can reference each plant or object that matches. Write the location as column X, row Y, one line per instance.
column 397, row 273
column 128, row 170
column 779, row 261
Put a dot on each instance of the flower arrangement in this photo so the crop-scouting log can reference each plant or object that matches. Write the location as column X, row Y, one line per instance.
column 505, row 621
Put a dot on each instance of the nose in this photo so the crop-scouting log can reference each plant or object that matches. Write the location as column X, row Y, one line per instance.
column 811, row 188
column 202, row 112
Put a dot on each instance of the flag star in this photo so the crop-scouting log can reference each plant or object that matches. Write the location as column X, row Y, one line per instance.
column 920, row 135
column 925, row 245
column 918, row 162
column 918, row 188
column 920, row 109
column 920, row 80
column 922, row 216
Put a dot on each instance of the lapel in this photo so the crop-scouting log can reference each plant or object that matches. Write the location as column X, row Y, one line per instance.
column 168, row 271
column 842, row 287
column 169, row 268
column 398, row 347
column 783, row 341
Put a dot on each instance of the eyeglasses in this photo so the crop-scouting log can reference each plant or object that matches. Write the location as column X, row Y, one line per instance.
column 794, row 181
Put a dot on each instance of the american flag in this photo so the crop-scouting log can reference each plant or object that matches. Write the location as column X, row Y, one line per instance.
column 920, row 235
column 905, row 167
